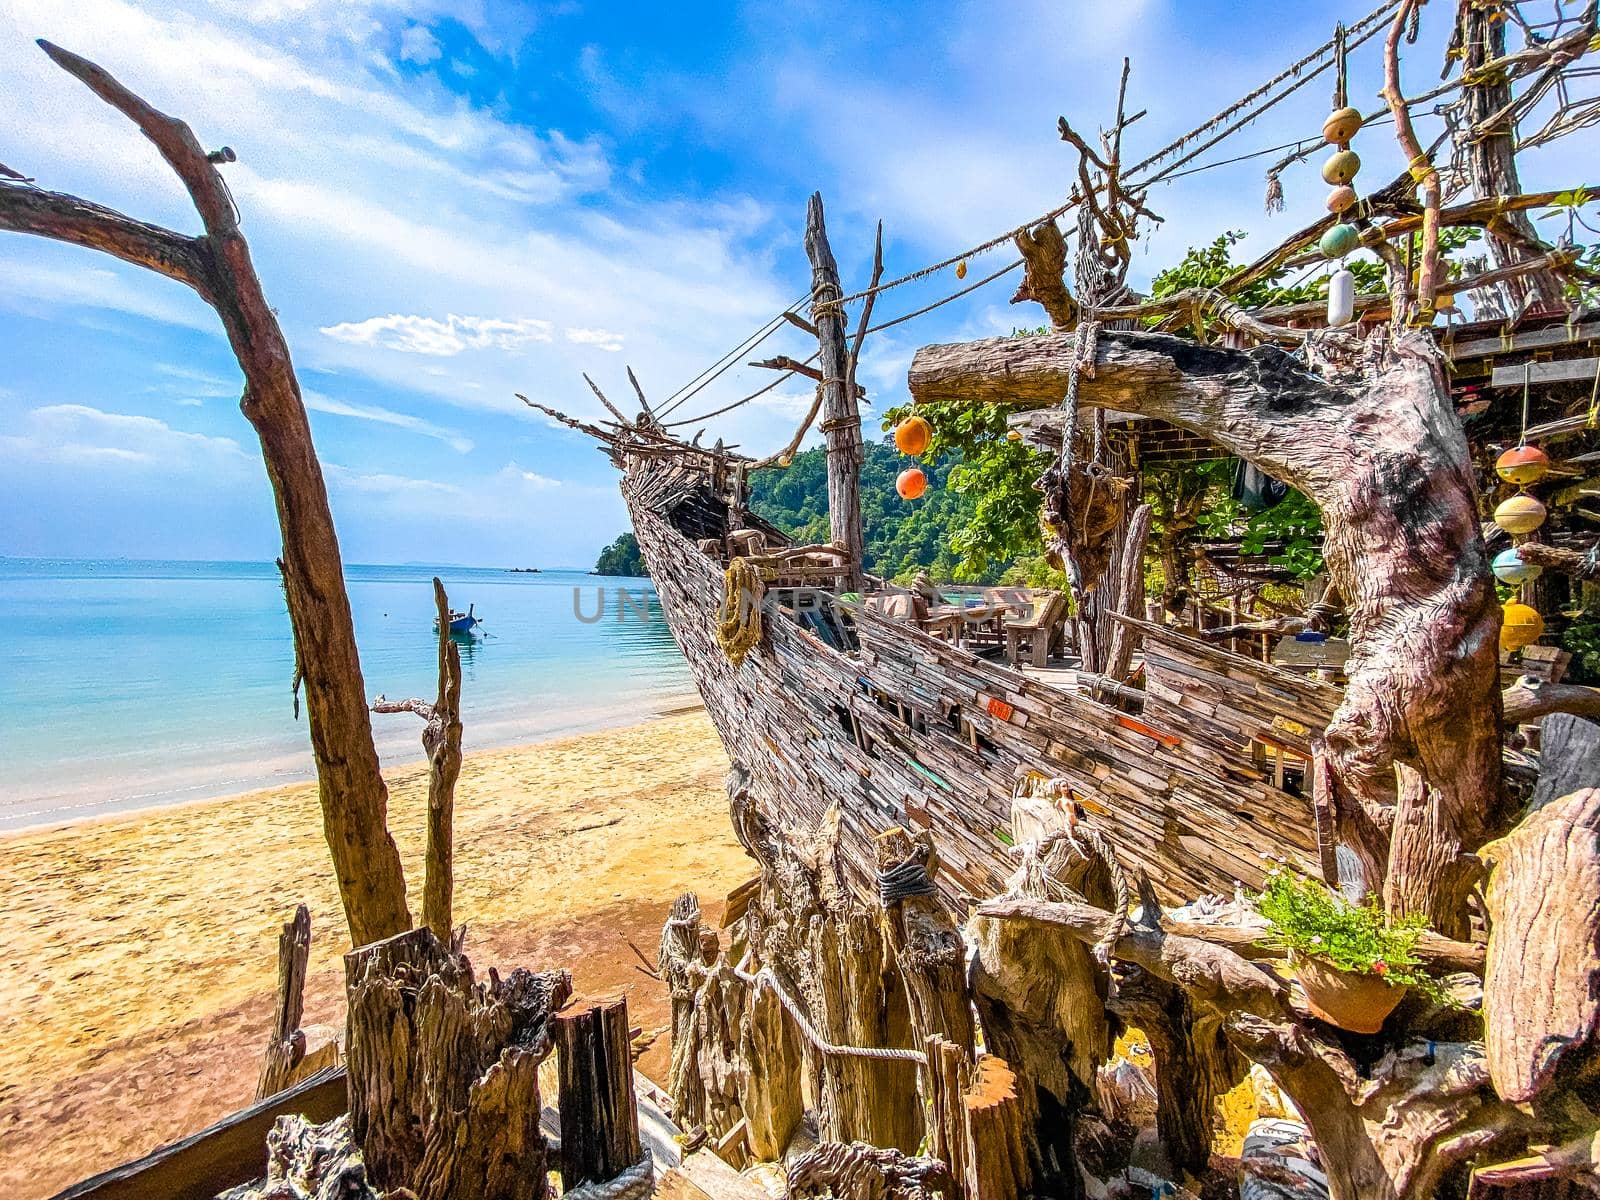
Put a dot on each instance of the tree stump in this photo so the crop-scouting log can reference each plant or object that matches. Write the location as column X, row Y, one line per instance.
column 444, row 1071
column 1541, row 989
column 599, row 1114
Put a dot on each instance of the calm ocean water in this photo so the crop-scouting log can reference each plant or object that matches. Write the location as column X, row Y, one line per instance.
column 131, row 683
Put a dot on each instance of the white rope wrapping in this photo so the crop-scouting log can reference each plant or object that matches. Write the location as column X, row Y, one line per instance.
column 792, row 1007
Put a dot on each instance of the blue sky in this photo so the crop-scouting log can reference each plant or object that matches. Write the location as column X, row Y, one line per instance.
column 452, row 201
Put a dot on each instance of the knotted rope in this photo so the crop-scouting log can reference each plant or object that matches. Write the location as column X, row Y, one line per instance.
column 739, row 617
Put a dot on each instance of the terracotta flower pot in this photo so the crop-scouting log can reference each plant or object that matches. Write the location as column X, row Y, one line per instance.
column 1347, row 999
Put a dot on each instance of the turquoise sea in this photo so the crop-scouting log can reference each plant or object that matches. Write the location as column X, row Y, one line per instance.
column 131, row 683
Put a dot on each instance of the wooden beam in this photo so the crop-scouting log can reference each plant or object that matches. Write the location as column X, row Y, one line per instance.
column 1567, row 370
column 220, row 1156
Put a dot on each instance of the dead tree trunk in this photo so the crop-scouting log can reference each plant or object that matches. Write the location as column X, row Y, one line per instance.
column 1492, row 157
column 926, row 942
column 599, row 1114
column 294, row 1052
column 217, row 266
column 441, row 741
column 444, row 1071
column 1373, row 439
column 841, row 420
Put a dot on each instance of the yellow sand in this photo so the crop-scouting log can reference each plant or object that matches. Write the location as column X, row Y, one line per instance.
column 139, row 951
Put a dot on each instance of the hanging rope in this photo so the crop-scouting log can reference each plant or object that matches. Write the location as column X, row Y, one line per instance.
column 739, row 617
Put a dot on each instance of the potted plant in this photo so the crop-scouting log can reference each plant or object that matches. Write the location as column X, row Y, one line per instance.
column 1353, row 961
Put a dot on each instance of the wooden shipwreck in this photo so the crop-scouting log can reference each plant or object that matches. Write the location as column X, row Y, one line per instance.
column 969, row 861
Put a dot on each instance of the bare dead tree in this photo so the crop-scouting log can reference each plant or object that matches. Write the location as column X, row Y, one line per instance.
column 217, row 265
column 441, row 741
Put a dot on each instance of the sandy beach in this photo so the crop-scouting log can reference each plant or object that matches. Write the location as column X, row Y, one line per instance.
column 139, row 953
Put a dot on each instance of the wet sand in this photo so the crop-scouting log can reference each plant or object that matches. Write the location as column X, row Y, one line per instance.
column 140, row 950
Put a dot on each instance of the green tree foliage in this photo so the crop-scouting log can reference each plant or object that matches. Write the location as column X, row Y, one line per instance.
column 903, row 537
column 621, row 558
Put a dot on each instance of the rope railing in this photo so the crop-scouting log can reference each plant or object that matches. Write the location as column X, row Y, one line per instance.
column 822, row 1044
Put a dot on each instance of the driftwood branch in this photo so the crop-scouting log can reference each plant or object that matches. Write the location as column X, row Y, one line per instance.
column 1044, row 266
column 1531, row 698
column 1580, row 564
column 867, row 306
column 782, row 362
column 1420, row 164
column 441, row 741
column 218, row 266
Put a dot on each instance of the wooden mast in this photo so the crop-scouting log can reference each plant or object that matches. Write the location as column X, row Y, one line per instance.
column 841, row 419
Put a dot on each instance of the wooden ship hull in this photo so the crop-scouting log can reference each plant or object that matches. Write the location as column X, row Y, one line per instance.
column 910, row 730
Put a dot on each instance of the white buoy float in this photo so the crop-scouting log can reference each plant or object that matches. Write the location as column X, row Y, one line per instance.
column 1341, row 298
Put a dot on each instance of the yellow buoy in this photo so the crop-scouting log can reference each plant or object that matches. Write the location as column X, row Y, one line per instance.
column 1520, row 514
column 913, row 436
column 1013, row 435
column 1341, row 126
column 1520, row 625
column 961, row 269
column 1341, row 167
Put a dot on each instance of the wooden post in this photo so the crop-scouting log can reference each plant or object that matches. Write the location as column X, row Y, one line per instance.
column 841, row 420
column 925, row 940
column 599, row 1114
column 294, row 1053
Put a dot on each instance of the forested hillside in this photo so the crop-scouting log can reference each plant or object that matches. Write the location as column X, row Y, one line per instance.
column 902, row 536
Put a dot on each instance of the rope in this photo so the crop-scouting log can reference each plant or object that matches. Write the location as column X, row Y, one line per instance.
column 792, row 1007
column 899, row 883
column 1294, row 69
column 739, row 616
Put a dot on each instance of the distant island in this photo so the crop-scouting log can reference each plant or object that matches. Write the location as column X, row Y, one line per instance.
column 621, row 557
column 523, row 570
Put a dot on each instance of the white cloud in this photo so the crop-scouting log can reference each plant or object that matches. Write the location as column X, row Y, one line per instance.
column 453, row 335
column 318, row 402
column 52, row 281
column 601, row 339
column 77, row 435
column 419, row 46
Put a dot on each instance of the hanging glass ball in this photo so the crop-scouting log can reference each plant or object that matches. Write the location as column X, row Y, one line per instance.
column 1341, row 126
column 911, row 483
column 1341, row 167
column 1339, row 240
column 1520, row 514
column 1509, row 568
column 913, row 436
column 1523, row 464
column 1341, row 198
column 1520, row 625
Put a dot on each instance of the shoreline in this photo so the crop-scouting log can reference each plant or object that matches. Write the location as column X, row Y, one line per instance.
column 138, row 973
column 143, row 808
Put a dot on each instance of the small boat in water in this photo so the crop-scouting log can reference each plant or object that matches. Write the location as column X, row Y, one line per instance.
column 460, row 622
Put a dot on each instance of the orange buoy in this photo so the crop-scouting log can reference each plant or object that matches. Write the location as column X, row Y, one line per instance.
column 1341, row 198
column 1520, row 514
column 1522, row 464
column 1520, row 625
column 911, row 483
column 913, row 436
column 1013, row 435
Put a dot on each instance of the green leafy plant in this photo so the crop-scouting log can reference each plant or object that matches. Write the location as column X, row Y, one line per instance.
column 1581, row 639
column 1309, row 919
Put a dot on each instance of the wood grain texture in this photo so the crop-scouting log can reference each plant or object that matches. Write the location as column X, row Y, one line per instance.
column 1542, row 981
